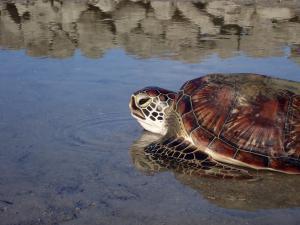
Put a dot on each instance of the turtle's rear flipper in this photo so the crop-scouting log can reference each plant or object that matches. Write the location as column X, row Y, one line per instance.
column 182, row 156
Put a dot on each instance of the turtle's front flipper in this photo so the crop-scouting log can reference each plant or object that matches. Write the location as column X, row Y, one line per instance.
column 182, row 156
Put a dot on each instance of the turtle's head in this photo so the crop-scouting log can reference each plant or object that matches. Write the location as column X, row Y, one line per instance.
column 149, row 106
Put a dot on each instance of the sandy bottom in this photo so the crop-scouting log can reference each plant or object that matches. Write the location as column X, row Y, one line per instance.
column 71, row 154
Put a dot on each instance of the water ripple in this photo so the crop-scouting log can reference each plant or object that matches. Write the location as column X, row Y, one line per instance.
column 101, row 132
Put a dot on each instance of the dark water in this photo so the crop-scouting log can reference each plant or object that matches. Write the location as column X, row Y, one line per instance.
column 69, row 151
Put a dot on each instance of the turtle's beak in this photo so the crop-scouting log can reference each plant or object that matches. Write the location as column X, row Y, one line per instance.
column 135, row 110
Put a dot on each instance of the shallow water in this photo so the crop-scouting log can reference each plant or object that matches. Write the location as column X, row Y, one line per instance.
column 70, row 153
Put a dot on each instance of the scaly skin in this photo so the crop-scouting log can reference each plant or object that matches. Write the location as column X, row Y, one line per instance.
column 247, row 120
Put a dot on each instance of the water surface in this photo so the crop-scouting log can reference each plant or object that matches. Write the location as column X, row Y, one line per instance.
column 69, row 151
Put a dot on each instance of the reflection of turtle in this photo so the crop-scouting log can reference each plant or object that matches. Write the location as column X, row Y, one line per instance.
column 244, row 195
column 245, row 120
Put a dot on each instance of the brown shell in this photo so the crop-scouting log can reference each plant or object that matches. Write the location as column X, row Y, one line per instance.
column 251, row 118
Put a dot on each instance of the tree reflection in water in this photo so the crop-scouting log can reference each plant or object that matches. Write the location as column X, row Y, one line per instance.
column 181, row 30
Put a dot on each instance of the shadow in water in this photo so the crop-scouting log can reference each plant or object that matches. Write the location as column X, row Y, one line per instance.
column 271, row 191
column 183, row 30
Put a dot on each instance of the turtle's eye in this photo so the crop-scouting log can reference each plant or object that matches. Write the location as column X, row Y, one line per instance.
column 144, row 102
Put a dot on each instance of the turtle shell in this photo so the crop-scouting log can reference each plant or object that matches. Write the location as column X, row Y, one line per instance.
column 246, row 119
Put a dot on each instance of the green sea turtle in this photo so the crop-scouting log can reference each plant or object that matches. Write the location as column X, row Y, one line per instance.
column 241, row 194
column 219, row 123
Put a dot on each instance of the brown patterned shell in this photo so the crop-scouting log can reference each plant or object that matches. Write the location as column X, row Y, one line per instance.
column 250, row 118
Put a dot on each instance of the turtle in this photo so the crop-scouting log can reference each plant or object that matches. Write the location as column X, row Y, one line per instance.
column 247, row 193
column 224, row 125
